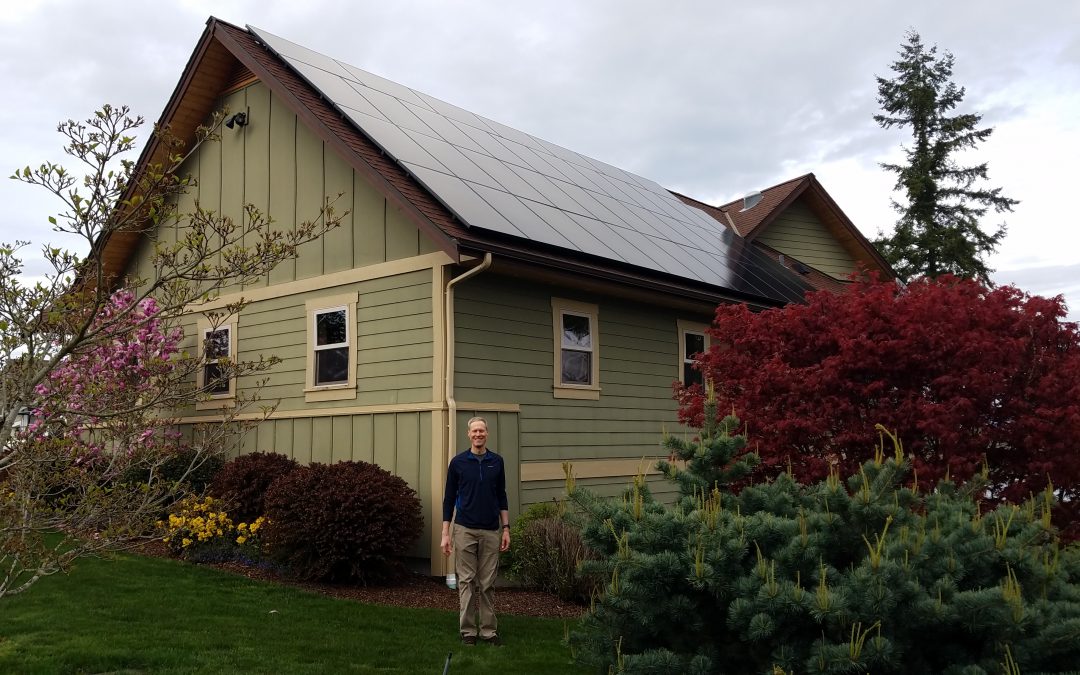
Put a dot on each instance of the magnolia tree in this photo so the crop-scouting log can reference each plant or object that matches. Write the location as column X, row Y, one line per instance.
column 967, row 375
column 97, row 358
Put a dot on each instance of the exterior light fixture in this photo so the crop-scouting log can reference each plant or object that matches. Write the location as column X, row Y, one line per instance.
column 240, row 119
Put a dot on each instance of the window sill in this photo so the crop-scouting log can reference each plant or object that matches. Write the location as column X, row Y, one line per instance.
column 341, row 392
column 586, row 393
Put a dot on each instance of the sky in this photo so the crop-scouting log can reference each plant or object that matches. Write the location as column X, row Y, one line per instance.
column 710, row 98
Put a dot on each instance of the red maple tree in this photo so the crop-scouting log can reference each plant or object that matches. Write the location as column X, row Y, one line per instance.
column 966, row 374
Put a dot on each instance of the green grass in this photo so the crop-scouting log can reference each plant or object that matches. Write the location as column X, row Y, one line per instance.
column 144, row 615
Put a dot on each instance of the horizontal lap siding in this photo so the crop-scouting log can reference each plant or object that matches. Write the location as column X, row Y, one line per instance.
column 801, row 234
column 504, row 354
column 394, row 337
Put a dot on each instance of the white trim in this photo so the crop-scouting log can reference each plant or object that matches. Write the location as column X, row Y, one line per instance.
column 559, row 308
column 225, row 399
column 338, row 391
column 692, row 327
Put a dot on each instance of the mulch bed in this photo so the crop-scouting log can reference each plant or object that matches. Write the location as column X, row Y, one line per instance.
column 415, row 590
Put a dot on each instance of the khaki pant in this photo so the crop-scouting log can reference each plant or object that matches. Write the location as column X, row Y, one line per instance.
column 476, row 553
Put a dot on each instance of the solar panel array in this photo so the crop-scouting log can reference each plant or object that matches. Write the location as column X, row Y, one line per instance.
column 496, row 178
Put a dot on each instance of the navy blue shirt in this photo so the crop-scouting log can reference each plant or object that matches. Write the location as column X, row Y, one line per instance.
column 476, row 485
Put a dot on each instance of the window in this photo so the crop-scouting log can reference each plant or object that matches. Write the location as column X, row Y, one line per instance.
column 331, row 357
column 577, row 349
column 693, row 341
column 217, row 345
column 331, row 346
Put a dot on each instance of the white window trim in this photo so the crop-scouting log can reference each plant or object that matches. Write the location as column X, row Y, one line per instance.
column 224, row 399
column 560, row 306
column 685, row 327
column 342, row 390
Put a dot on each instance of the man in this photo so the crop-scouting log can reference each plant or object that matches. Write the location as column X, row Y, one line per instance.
column 476, row 488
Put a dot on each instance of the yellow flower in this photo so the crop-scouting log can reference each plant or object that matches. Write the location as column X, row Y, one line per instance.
column 185, row 542
column 242, row 526
column 241, row 539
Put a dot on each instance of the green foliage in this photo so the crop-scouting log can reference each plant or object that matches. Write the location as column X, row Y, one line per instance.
column 243, row 481
column 342, row 522
column 938, row 231
column 872, row 574
column 547, row 551
column 508, row 559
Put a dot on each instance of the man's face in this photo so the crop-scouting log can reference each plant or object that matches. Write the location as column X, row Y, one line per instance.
column 478, row 434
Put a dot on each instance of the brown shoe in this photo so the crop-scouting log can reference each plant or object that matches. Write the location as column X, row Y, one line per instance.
column 468, row 640
column 494, row 641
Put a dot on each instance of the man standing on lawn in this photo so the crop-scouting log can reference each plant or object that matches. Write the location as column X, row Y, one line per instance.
column 476, row 488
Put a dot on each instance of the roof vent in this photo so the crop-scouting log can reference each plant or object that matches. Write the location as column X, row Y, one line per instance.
column 801, row 268
column 750, row 201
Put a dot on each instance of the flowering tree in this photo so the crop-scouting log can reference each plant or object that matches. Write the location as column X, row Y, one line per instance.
column 97, row 357
column 965, row 374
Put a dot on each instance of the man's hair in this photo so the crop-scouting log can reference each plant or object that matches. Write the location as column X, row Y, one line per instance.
column 476, row 419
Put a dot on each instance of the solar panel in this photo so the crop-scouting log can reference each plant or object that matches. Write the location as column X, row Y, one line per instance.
column 497, row 178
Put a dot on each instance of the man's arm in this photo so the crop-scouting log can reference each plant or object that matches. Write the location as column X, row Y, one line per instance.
column 449, row 499
column 504, row 519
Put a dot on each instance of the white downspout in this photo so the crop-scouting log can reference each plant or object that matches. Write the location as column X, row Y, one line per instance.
column 448, row 378
column 451, row 402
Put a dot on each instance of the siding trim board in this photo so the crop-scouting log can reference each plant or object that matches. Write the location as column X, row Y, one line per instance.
column 590, row 468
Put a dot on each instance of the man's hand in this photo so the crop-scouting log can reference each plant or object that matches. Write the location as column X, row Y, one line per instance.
column 445, row 545
column 505, row 545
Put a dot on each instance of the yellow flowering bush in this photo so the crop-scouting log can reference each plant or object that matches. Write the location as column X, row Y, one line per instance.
column 194, row 524
column 199, row 529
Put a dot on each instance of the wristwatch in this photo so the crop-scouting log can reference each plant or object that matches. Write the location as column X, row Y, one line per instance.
column 506, row 527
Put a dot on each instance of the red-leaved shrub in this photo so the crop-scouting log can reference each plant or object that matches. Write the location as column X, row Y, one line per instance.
column 242, row 483
column 349, row 521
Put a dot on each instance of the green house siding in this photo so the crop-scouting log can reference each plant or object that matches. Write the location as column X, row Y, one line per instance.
column 801, row 234
column 282, row 168
column 394, row 342
column 504, row 354
column 398, row 442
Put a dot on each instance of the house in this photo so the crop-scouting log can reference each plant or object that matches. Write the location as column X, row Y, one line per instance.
column 799, row 225
column 481, row 271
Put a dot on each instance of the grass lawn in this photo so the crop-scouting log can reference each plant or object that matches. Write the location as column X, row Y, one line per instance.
column 145, row 615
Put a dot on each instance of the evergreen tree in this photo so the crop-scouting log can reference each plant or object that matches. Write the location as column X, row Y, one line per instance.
column 875, row 574
column 938, row 230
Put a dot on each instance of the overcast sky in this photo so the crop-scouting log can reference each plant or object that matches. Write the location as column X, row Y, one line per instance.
column 710, row 98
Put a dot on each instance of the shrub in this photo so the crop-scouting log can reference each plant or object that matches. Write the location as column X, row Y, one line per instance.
column 545, row 553
column 243, row 481
column 550, row 551
column 873, row 575
column 185, row 467
column 348, row 521
column 200, row 530
column 508, row 559
column 197, row 526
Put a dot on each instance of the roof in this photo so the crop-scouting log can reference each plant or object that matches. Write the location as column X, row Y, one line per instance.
column 753, row 221
column 472, row 183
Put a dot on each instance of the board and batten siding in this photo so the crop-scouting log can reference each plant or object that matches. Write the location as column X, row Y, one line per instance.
column 399, row 442
column 799, row 233
column 283, row 169
column 504, row 353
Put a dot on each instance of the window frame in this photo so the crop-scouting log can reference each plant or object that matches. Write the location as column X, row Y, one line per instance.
column 226, row 398
column 685, row 326
column 560, row 389
column 337, row 391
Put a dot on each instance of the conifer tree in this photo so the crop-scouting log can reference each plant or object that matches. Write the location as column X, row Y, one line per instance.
column 938, row 231
column 875, row 574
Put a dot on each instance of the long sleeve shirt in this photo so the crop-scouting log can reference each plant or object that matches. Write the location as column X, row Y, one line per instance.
column 476, row 487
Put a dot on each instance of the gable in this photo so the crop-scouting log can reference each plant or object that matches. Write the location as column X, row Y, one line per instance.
column 798, row 232
column 277, row 164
